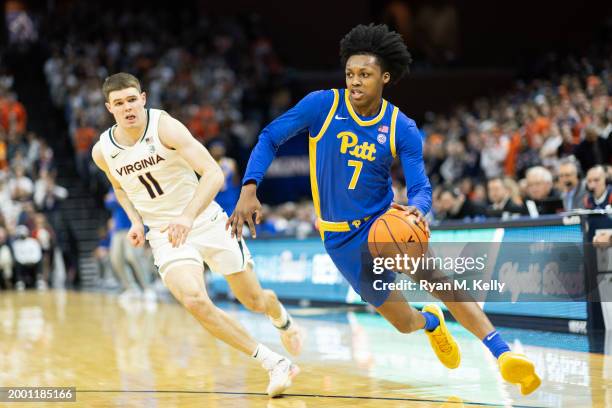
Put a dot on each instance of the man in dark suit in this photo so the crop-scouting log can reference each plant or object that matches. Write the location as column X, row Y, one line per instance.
column 572, row 190
column 600, row 193
column 501, row 203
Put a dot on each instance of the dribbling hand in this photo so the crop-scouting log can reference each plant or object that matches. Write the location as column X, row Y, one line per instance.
column 136, row 235
column 412, row 210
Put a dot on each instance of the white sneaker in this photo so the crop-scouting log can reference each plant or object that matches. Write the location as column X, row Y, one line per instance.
column 281, row 376
column 41, row 285
column 292, row 338
column 149, row 295
column 129, row 294
column 20, row 286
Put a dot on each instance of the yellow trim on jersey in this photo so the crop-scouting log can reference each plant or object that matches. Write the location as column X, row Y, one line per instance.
column 342, row 226
column 312, row 156
column 392, row 136
column 356, row 118
column 329, row 117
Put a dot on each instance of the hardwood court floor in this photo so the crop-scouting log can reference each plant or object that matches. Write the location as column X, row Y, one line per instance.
column 138, row 356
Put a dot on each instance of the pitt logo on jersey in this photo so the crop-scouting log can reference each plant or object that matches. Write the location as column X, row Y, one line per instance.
column 139, row 165
column 363, row 150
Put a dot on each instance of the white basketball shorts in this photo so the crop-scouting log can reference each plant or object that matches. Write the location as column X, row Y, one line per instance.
column 208, row 241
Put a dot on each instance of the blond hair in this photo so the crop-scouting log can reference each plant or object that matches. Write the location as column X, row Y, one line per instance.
column 119, row 81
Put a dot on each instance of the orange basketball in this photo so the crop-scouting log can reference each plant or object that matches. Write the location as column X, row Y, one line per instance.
column 395, row 232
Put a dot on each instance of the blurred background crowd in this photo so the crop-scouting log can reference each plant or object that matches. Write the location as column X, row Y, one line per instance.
column 542, row 146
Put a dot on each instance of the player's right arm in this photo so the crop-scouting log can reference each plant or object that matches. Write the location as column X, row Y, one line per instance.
column 304, row 115
column 136, row 232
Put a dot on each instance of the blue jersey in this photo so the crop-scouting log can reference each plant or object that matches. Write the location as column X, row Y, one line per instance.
column 350, row 155
column 350, row 163
column 120, row 217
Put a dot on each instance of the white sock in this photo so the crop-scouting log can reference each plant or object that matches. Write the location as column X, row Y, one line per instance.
column 283, row 320
column 265, row 356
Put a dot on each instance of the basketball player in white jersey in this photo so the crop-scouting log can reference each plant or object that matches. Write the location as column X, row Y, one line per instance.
column 150, row 159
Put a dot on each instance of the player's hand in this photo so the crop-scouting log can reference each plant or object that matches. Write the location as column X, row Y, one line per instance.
column 247, row 205
column 602, row 239
column 178, row 230
column 136, row 235
column 409, row 209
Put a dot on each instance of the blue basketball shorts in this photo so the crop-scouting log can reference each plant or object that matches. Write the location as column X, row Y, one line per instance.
column 349, row 252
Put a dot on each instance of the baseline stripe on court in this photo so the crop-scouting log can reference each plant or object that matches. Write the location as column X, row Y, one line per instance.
column 263, row 394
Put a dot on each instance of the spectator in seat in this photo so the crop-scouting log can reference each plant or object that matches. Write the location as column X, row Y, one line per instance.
column 600, row 193
column 572, row 191
column 48, row 195
column 6, row 259
column 454, row 205
column 502, row 204
column 13, row 114
column 28, row 256
column 20, row 186
column 541, row 197
column 83, row 138
column 593, row 150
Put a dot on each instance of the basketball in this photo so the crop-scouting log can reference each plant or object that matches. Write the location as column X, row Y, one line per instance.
column 396, row 232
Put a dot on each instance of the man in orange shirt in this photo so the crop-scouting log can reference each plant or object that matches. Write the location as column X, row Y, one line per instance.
column 12, row 113
column 83, row 139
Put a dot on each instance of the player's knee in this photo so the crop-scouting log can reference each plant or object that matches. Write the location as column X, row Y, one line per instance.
column 198, row 303
column 270, row 296
column 255, row 303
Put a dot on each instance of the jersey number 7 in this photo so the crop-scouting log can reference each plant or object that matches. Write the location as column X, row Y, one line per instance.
column 152, row 182
column 357, row 164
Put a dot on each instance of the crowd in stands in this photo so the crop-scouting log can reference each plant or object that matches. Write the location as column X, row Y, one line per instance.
column 29, row 198
column 531, row 151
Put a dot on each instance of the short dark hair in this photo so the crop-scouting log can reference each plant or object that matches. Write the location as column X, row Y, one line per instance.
column 571, row 160
column 119, row 81
column 453, row 191
column 377, row 40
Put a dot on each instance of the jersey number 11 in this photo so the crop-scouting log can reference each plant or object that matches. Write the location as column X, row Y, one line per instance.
column 148, row 185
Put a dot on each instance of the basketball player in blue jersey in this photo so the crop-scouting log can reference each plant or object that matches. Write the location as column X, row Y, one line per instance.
column 354, row 136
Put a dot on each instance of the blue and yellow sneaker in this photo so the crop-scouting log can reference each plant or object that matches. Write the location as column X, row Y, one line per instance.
column 442, row 342
column 518, row 369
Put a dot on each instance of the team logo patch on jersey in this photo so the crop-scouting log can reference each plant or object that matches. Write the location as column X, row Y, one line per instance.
column 383, row 129
column 381, row 138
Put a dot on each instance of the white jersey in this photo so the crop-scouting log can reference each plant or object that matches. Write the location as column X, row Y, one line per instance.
column 156, row 179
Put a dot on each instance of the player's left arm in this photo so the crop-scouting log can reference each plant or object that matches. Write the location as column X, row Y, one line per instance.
column 173, row 134
column 409, row 147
